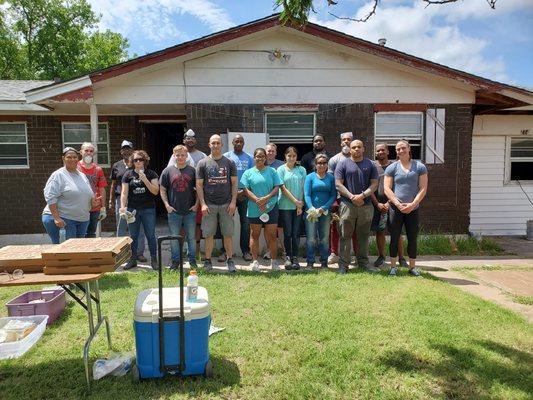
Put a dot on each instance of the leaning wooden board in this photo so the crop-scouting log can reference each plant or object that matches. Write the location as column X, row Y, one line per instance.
column 25, row 257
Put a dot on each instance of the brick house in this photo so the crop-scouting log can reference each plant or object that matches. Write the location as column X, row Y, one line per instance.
column 256, row 77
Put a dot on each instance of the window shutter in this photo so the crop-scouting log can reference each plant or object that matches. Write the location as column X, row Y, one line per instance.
column 435, row 118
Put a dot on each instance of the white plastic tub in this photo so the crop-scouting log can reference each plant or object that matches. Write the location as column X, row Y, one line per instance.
column 18, row 348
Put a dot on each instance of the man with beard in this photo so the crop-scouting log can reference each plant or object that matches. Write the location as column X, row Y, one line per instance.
column 319, row 146
column 346, row 139
column 381, row 208
column 194, row 155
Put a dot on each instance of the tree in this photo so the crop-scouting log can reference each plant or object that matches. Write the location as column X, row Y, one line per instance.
column 297, row 11
column 57, row 38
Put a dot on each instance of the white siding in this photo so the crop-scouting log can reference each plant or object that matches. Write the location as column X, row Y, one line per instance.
column 240, row 72
column 497, row 207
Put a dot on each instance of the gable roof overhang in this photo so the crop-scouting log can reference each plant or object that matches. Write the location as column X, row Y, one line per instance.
column 490, row 95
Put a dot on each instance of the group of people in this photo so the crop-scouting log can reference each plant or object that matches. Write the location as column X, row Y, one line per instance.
column 338, row 199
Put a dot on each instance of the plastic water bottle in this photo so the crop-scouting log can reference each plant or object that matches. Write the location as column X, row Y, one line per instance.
column 192, row 286
column 62, row 235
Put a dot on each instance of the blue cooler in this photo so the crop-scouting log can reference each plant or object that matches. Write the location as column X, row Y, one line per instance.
column 146, row 325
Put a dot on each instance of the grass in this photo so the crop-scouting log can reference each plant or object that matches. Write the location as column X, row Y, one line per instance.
column 443, row 245
column 527, row 300
column 302, row 336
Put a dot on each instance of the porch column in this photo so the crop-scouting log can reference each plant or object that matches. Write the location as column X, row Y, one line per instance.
column 94, row 129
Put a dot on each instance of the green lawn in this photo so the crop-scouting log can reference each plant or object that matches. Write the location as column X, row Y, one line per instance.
column 302, row 336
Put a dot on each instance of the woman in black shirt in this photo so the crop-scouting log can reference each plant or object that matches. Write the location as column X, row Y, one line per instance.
column 140, row 187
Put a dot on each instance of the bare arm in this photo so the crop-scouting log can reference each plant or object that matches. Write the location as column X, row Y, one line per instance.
column 124, row 196
column 387, row 186
column 112, row 194
column 341, row 189
column 55, row 214
column 423, row 188
column 290, row 196
column 163, row 193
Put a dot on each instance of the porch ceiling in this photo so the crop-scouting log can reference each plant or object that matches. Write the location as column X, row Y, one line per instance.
column 117, row 109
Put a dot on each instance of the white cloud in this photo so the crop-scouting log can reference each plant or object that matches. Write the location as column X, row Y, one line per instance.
column 155, row 19
column 431, row 32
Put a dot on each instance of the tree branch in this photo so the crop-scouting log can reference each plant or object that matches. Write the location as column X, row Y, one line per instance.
column 491, row 3
column 364, row 19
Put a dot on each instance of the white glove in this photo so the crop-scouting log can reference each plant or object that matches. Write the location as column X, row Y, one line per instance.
column 103, row 214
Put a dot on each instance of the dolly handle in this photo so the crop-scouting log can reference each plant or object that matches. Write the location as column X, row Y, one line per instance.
column 162, row 368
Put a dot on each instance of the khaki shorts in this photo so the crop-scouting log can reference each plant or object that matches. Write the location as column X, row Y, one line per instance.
column 217, row 215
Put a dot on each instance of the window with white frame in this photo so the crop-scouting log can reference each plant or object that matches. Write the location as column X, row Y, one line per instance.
column 393, row 126
column 290, row 127
column 521, row 159
column 13, row 145
column 75, row 133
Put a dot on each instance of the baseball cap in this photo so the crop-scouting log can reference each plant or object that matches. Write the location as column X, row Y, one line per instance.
column 190, row 133
column 67, row 149
column 126, row 143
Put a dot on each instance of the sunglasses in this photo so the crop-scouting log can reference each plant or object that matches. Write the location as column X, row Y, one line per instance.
column 138, row 159
column 16, row 274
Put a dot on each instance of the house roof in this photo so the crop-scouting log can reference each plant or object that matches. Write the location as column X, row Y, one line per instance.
column 12, row 90
column 483, row 85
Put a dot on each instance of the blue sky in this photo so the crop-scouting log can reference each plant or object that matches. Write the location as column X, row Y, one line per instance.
column 468, row 35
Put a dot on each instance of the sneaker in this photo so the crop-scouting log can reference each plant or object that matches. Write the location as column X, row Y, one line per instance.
column 274, row 265
column 295, row 264
column 333, row 258
column 141, row 258
column 208, row 265
column 324, row 265
column 255, row 266
column 267, row 255
column 132, row 263
column 393, row 271
column 231, row 265
column 247, row 257
column 309, row 266
column 222, row 258
column 414, row 272
column 174, row 265
column 154, row 264
column 379, row 261
column 193, row 265
column 287, row 263
column 372, row 270
column 403, row 262
column 342, row 270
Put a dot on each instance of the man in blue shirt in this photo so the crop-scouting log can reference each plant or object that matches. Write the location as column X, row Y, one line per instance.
column 243, row 161
column 356, row 178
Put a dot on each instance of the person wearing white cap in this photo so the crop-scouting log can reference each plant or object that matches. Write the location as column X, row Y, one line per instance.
column 194, row 156
column 117, row 172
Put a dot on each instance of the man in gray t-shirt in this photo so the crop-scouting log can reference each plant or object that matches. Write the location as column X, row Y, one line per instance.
column 216, row 187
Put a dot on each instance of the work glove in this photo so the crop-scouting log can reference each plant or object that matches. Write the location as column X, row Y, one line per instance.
column 103, row 214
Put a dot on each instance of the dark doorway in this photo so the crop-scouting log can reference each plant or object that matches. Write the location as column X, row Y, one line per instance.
column 159, row 139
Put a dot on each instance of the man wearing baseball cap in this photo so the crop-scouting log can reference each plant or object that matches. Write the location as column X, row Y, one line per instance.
column 194, row 156
column 117, row 172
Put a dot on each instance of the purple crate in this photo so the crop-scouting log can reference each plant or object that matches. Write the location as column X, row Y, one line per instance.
column 53, row 305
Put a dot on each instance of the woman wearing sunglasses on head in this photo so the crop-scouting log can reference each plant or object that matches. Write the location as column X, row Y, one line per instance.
column 140, row 187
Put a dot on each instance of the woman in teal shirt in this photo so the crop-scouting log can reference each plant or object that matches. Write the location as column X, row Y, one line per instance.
column 261, row 185
column 291, row 203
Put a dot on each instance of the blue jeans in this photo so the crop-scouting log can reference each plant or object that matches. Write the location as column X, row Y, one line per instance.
column 122, row 229
column 177, row 222
column 93, row 223
column 146, row 218
column 291, row 231
column 73, row 229
column 318, row 229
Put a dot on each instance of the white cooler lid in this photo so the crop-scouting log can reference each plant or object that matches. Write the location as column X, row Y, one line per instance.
column 147, row 305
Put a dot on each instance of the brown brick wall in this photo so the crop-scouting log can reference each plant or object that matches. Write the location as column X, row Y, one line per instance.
column 446, row 208
column 21, row 205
